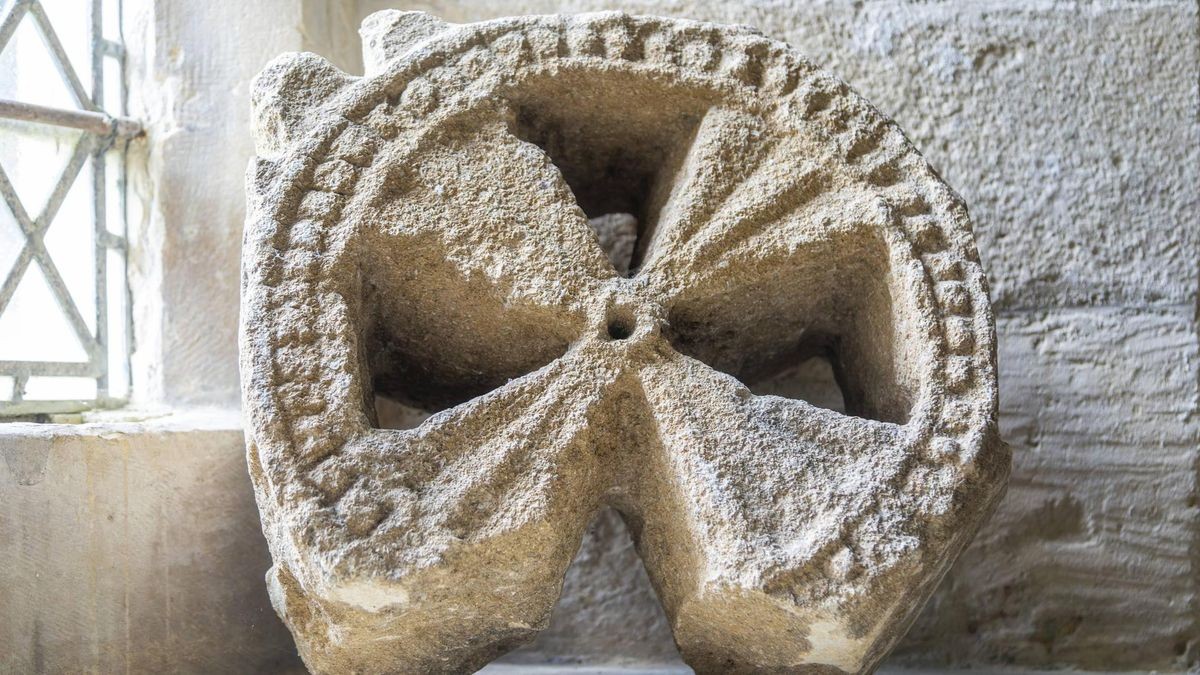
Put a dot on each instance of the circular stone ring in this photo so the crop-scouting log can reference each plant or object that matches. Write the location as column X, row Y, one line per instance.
column 578, row 244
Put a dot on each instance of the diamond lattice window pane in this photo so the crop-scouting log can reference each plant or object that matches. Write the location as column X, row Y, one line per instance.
column 64, row 307
column 114, row 88
column 34, row 157
column 60, row 389
column 11, row 240
column 71, row 20
column 118, row 326
column 111, row 20
column 33, row 327
column 71, row 243
column 114, row 189
column 30, row 73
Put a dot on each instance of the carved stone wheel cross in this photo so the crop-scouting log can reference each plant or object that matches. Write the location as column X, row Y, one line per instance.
column 422, row 235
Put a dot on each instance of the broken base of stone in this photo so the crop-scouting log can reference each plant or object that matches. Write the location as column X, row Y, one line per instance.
column 574, row 248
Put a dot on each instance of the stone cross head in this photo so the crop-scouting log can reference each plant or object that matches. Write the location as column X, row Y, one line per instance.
column 576, row 240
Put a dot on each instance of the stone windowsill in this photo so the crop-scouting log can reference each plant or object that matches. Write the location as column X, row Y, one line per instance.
column 132, row 420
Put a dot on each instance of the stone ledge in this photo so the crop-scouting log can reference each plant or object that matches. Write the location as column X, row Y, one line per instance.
column 133, row 546
column 131, row 421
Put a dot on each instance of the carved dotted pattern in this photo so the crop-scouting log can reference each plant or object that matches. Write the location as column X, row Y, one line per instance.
column 324, row 173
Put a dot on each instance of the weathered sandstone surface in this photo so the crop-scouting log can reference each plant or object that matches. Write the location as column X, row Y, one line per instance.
column 586, row 245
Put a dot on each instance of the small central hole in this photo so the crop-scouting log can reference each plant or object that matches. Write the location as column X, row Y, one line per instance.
column 619, row 329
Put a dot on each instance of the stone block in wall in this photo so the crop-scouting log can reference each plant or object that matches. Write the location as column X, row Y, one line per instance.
column 1069, row 128
column 133, row 548
column 1091, row 559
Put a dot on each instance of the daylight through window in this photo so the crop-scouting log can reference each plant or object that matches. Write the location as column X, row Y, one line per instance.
column 64, row 305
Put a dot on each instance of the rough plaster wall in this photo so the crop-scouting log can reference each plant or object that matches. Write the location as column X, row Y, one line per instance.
column 133, row 548
column 1091, row 560
column 1071, row 129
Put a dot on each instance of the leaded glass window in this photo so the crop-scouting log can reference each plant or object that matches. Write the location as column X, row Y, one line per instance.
column 64, row 301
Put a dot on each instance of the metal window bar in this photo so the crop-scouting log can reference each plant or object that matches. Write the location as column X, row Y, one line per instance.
column 103, row 133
